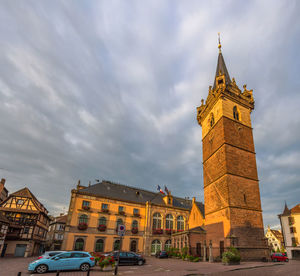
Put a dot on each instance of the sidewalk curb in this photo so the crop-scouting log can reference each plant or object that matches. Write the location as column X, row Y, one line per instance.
column 258, row 266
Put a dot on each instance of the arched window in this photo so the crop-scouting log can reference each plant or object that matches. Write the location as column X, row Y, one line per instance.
column 116, row 245
column 133, row 246
column 212, row 119
column 157, row 221
column 79, row 244
column 135, row 224
column 169, row 221
column 180, row 223
column 99, row 246
column 168, row 245
column 102, row 221
column 155, row 246
column 119, row 222
column 236, row 115
column 83, row 219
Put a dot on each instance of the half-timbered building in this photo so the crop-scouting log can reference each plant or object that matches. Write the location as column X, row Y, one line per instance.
column 28, row 224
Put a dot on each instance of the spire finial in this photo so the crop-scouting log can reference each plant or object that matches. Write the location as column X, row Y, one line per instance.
column 219, row 46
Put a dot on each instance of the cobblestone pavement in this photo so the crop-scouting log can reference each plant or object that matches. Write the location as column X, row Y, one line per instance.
column 165, row 267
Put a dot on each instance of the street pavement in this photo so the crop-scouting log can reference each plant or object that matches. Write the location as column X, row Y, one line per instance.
column 165, row 267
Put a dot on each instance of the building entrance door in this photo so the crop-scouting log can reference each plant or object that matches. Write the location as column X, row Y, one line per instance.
column 3, row 250
column 20, row 250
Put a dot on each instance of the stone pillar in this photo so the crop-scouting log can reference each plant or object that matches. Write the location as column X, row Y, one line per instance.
column 204, row 251
column 211, row 259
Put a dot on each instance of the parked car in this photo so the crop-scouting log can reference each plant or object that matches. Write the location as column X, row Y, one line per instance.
column 128, row 258
column 161, row 254
column 72, row 260
column 279, row 257
column 49, row 254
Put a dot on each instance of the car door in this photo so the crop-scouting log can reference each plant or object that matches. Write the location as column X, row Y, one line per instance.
column 78, row 259
column 62, row 261
column 131, row 258
column 122, row 258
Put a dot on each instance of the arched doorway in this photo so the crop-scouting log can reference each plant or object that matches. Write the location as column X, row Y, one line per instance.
column 133, row 246
column 155, row 247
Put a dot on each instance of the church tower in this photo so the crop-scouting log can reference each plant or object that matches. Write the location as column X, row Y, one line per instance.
column 233, row 215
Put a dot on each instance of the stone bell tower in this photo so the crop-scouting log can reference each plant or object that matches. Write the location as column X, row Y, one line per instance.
column 233, row 215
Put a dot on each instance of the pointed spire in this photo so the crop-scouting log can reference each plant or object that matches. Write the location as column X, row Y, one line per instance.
column 221, row 67
column 286, row 210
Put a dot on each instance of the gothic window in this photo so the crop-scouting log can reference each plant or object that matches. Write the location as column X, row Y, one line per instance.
column 157, row 221
column 212, row 120
column 245, row 199
column 169, row 221
column 99, row 246
column 180, row 223
column 102, row 221
column 79, row 244
column 236, row 115
column 83, row 219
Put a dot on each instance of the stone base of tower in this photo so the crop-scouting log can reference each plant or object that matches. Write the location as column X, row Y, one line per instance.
column 248, row 240
column 254, row 254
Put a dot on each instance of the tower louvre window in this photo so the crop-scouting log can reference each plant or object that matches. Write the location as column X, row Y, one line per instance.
column 236, row 115
column 212, row 120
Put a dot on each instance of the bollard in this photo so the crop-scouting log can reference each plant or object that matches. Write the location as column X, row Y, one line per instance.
column 88, row 273
column 19, row 273
column 57, row 273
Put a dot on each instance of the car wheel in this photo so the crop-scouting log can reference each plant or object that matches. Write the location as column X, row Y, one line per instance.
column 286, row 260
column 84, row 267
column 41, row 269
column 140, row 262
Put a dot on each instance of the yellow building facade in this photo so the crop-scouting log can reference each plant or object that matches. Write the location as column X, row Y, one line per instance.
column 149, row 218
column 290, row 225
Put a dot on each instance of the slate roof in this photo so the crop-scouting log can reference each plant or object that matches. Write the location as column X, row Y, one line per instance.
column 121, row 192
column 221, row 67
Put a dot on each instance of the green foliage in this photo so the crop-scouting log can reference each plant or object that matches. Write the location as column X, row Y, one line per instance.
column 105, row 261
column 174, row 252
column 184, row 251
column 232, row 255
column 196, row 259
column 282, row 249
column 278, row 251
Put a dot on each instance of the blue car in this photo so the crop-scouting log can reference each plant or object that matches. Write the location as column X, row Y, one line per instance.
column 72, row 260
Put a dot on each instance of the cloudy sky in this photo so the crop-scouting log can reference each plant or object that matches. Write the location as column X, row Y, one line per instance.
column 109, row 89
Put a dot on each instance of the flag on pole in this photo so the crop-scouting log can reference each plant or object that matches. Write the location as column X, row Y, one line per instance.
column 166, row 189
column 160, row 189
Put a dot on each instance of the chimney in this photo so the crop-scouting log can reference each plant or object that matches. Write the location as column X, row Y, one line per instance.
column 2, row 185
